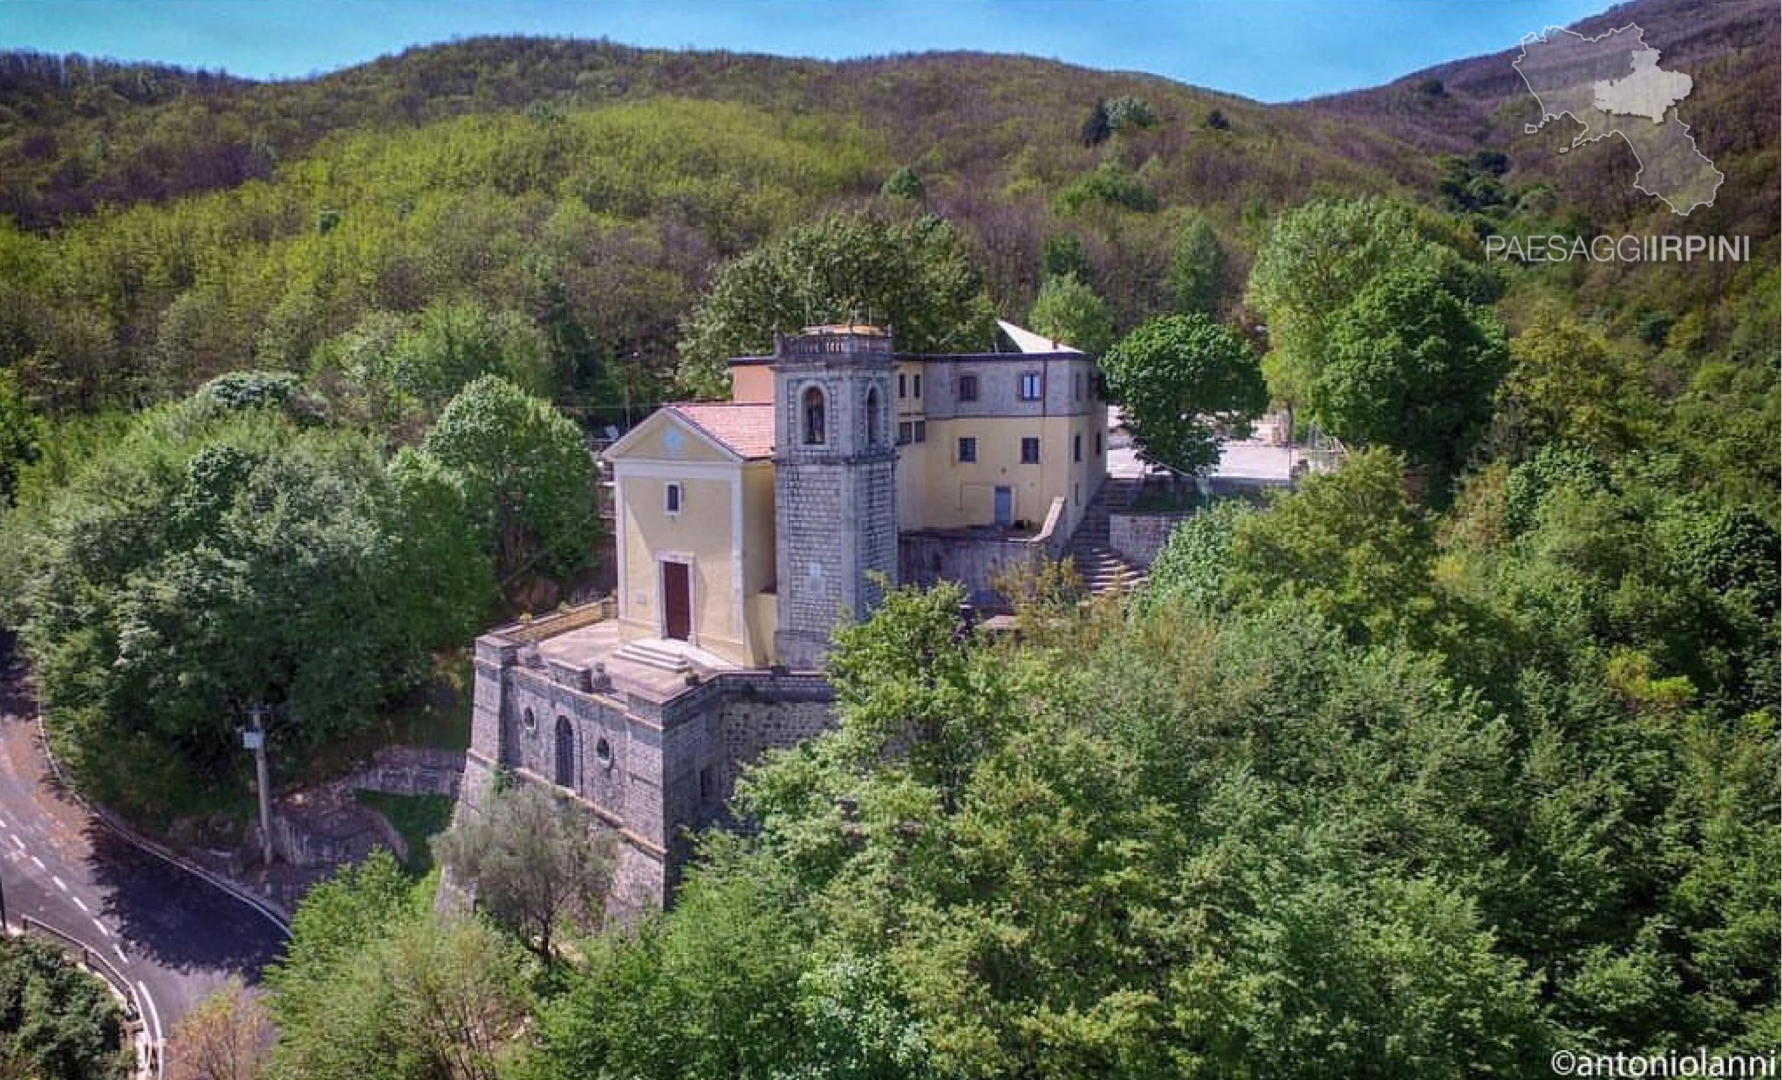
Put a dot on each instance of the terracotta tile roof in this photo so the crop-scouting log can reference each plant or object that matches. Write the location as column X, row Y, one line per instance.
column 747, row 429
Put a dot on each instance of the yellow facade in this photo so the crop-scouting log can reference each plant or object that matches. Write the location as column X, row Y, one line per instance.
column 938, row 490
column 692, row 563
column 700, row 564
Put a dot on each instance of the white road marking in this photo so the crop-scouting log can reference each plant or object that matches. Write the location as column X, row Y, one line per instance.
column 82, row 905
column 119, row 949
column 39, row 863
column 103, row 929
column 17, row 841
column 154, row 1013
column 60, row 884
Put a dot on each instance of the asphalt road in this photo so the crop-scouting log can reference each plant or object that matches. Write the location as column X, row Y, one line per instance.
column 173, row 935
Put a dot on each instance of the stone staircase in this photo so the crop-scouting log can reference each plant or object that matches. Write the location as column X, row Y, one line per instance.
column 1097, row 563
column 654, row 654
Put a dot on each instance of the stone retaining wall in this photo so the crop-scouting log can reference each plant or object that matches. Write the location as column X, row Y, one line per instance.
column 1138, row 537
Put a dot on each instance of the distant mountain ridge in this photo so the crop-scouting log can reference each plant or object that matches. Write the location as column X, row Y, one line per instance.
column 254, row 125
column 158, row 226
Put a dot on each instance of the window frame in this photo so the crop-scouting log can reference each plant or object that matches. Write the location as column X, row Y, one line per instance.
column 1030, row 443
column 968, row 386
column 1031, row 386
column 817, row 433
column 674, row 498
column 968, row 449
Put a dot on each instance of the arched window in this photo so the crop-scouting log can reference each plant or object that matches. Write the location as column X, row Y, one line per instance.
column 565, row 752
column 872, row 417
column 813, row 417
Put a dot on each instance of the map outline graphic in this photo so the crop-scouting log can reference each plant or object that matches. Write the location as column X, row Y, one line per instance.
column 1580, row 74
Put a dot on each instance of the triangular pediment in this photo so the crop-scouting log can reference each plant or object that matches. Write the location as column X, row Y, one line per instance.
column 669, row 436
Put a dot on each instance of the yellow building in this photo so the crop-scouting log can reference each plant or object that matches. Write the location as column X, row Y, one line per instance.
column 991, row 456
column 693, row 516
column 746, row 531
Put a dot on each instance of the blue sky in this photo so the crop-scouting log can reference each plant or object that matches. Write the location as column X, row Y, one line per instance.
column 1273, row 50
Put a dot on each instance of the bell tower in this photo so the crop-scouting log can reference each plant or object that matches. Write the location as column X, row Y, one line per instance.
column 835, row 484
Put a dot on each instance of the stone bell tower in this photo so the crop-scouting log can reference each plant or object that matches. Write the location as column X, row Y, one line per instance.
column 835, row 484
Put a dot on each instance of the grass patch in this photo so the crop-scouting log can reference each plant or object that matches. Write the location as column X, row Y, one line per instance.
column 438, row 714
column 416, row 818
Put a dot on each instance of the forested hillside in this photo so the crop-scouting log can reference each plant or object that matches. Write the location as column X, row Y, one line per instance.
column 167, row 226
column 1458, row 756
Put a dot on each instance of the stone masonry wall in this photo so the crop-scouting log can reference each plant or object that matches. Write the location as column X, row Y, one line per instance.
column 650, row 771
column 927, row 559
column 1139, row 537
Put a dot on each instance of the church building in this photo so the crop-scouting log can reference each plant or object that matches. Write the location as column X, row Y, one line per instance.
column 746, row 532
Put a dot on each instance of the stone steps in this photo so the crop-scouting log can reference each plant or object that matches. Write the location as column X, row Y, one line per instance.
column 654, row 654
column 1098, row 565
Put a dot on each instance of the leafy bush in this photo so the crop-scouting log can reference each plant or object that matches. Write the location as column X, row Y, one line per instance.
column 1109, row 184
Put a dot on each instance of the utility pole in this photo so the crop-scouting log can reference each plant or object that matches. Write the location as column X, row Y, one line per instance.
column 255, row 739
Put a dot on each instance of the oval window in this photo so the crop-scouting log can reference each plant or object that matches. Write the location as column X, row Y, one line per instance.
column 603, row 753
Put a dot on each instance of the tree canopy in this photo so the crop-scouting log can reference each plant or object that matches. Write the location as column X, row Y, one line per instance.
column 1069, row 312
column 912, row 275
column 1182, row 380
column 1407, row 365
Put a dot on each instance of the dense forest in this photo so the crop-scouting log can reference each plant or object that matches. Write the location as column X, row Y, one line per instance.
column 1457, row 756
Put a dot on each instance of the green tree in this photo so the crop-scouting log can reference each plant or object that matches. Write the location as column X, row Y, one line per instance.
column 455, row 342
column 376, row 984
column 20, row 433
column 533, row 864
column 1199, row 269
column 1190, row 571
column 208, row 559
column 1109, row 184
column 911, row 275
column 526, row 475
column 1069, row 312
column 1062, row 254
column 1409, row 366
column 722, row 974
column 1096, row 128
column 1181, row 379
column 57, row 1022
column 1349, row 545
column 1567, row 384
column 1315, row 262
column 904, row 184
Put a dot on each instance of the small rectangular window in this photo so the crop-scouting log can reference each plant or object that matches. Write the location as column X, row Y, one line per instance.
column 1030, row 451
column 968, row 388
column 1076, row 447
column 1098, row 444
column 968, row 448
column 1030, row 385
column 671, row 500
column 916, row 385
column 902, row 385
column 921, row 431
column 905, row 432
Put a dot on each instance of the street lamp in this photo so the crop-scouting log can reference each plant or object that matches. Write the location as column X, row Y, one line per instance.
column 254, row 739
